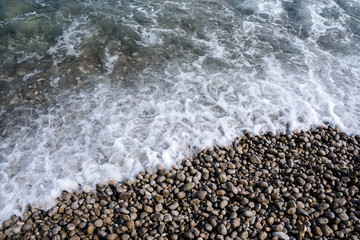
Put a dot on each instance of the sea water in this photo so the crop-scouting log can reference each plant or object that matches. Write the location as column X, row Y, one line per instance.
column 93, row 90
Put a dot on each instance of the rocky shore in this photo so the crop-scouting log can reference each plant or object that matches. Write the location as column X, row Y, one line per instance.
column 301, row 185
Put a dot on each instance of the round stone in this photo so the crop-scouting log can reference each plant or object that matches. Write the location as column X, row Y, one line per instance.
column 221, row 229
column 181, row 195
column 248, row 213
column 98, row 223
column 90, row 229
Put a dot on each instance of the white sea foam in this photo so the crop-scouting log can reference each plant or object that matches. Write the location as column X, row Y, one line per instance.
column 254, row 74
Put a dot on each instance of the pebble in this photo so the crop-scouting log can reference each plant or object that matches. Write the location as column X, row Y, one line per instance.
column 248, row 213
column 98, row 223
column 262, row 236
column 112, row 236
column 124, row 196
column 90, row 229
column 173, row 206
column 221, row 229
column 26, row 227
column 189, row 186
column 181, row 195
column 281, row 235
column 201, row 195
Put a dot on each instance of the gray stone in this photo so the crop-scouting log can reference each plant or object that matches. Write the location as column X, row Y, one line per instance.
column 221, row 229
column 189, row 186
column 201, row 194
column 248, row 213
column 173, row 206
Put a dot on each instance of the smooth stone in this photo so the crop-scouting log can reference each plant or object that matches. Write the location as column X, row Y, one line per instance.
column 340, row 234
column 112, row 236
column 181, row 176
column 278, row 227
column 263, row 184
column 281, row 235
column 181, row 195
column 235, row 223
column 244, row 235
column 189, row 186
column 317, row 231
column 223, row 204
column 130, row 224
column 158, row 207
column 322, row 221
column 148, row 209
column 98, row 223
column 26, row 227
column 248, row 213
column 221, row 229
column 189, row 235
column 326, row 230
column 291, row 211
column 91, row 229
column 263, row 236
column 254, row 159
column 222, row 177
column 221, row 192
column 208, row 227
column 173, row 206
column 201, row 194
column 270, row 220
column 124, row 196
column 70, row 227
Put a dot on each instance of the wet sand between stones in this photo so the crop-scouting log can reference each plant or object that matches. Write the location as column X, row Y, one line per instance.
column 300, row 185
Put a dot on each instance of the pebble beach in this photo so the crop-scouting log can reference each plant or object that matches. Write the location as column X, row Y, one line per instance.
column 300, row 185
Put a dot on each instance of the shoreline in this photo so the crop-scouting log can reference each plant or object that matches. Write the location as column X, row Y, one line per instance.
column 300, row 185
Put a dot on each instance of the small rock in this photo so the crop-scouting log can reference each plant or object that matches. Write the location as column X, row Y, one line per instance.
column 244, row 235
column 181, row 195
column 173, row 206
column 221, row 229
column 98, row 223
column 70, row 227
column 223, row 204
column 201, row 194
column 148, row 209
column 248, row 213
column 26, row 227
column 124, row 196
column 189, row 186
column 90, row 229
column 181, row 176
column 281, row 235
column 322, row 221
column 189, row 235
column 254, row 159
column 326, row 230
column 262, row 236
column 112, row 236
column 317, row 231
column 222, row 177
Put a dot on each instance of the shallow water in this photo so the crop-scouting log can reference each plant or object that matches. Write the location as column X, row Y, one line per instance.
column 98, row 90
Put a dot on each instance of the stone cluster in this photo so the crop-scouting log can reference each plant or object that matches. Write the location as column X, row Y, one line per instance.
column 301, row 185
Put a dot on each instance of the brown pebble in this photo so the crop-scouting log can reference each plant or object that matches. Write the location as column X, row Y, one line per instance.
column 90, row 229
column 148, row 209
column 112, row 236
column 158, row 207
column 221, row 192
